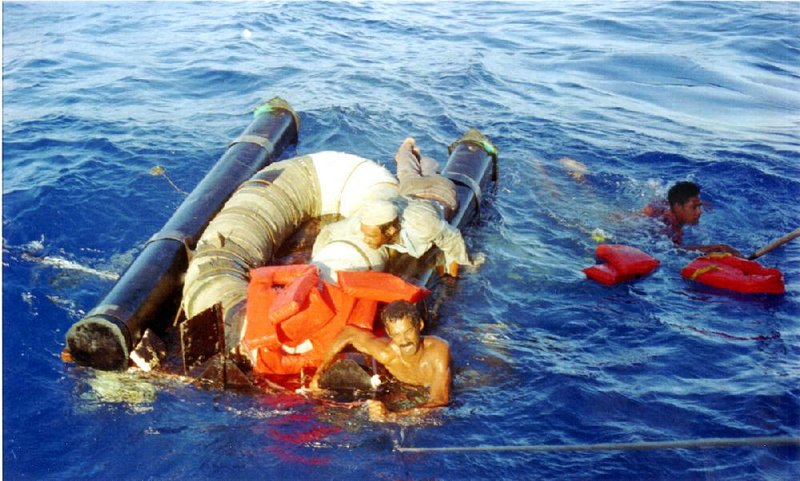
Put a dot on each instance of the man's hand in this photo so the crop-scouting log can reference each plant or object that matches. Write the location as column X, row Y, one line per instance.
column 411, row 145
column 724, row 248
column 313, row 386
column 451, row 271
column 377, row 411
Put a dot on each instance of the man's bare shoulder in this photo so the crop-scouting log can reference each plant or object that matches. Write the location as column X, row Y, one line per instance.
column 435, row 340
column 436, row 346
column 657, row 208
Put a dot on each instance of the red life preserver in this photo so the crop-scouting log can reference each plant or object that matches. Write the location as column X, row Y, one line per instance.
column 726, row 271
column 293, row 317
column 623, row 263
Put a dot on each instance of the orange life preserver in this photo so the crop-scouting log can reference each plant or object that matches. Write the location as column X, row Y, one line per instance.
column 284, row 305
column 293, row 317
column 726, row 271
column 623, row 263
column 294, row 296
column 380, row 286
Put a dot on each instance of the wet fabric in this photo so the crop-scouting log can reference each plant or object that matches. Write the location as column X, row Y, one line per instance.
column 419, row 178
column 423, row 226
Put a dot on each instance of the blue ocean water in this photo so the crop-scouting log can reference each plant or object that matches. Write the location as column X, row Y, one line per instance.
column 643, row 93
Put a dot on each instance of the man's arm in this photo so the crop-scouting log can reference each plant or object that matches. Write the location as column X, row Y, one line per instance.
column 452, row 245
column 676, row 232
column 363, row 341
column 450, row 270
column 407, row 159
column 708, row 249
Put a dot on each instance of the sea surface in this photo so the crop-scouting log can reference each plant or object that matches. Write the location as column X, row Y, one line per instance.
column 96, row 95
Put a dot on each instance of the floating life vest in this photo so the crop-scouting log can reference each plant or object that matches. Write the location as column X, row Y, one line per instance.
column 623, row 263
column 726, row 271
column 380, row 286
column 292, row 316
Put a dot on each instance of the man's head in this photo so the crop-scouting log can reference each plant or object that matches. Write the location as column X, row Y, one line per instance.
column 684, row 202
column 379, row 223
column 403, row 325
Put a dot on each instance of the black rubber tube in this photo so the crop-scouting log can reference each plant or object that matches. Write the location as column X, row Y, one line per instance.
column 104, row 338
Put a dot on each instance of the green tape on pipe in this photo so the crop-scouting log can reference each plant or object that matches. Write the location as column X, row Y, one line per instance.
column 262, row 109
column 489, row 148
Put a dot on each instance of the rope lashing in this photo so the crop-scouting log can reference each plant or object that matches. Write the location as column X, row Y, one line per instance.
column 159, row 170
column 469, row 183
column 258, row 140
column 641, row 446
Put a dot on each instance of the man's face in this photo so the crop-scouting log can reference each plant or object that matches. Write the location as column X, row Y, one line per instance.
column 688, row 212
column 405, row 336
column 374, row 236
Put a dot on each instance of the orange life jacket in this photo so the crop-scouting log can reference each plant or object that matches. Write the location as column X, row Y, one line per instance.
column 293, row 317
column 380, row 286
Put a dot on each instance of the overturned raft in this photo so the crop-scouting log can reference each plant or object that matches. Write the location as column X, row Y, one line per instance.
column 105, row 337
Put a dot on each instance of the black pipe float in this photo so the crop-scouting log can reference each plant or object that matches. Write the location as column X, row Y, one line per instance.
column 105, row 337
column 472, row 166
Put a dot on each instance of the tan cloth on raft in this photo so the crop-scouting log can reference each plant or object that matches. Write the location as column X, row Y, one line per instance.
column 419, row 178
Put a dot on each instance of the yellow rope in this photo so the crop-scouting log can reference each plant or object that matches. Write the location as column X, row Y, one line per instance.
column 704, row 270
column 718, row 255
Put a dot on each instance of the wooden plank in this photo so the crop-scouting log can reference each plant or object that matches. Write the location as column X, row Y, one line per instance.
column 202, row 337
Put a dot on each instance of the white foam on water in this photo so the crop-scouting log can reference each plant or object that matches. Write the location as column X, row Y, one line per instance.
column 30, row 300
column 66, row 264
column 34, row 245
column 68, row 305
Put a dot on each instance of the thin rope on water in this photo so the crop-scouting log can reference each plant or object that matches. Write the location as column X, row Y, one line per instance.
column 159, row 170
column 641, row 446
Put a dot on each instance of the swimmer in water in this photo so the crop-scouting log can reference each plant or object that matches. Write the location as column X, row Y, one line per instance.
column 575, row 169
column 410, row 357
column 684, row 207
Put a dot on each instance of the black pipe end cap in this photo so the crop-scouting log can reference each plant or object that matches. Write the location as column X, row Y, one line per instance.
column 98, row 342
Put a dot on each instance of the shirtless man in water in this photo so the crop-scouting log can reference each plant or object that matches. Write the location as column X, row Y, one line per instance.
column 684, row 208
column 407, row 355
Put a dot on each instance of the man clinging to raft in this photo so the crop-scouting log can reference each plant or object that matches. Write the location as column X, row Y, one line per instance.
column 418, row 219
column 410, row 357
column 411, row 223
column 684, row 208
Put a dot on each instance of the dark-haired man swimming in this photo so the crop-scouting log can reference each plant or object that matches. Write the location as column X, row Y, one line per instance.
column 684, row 207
